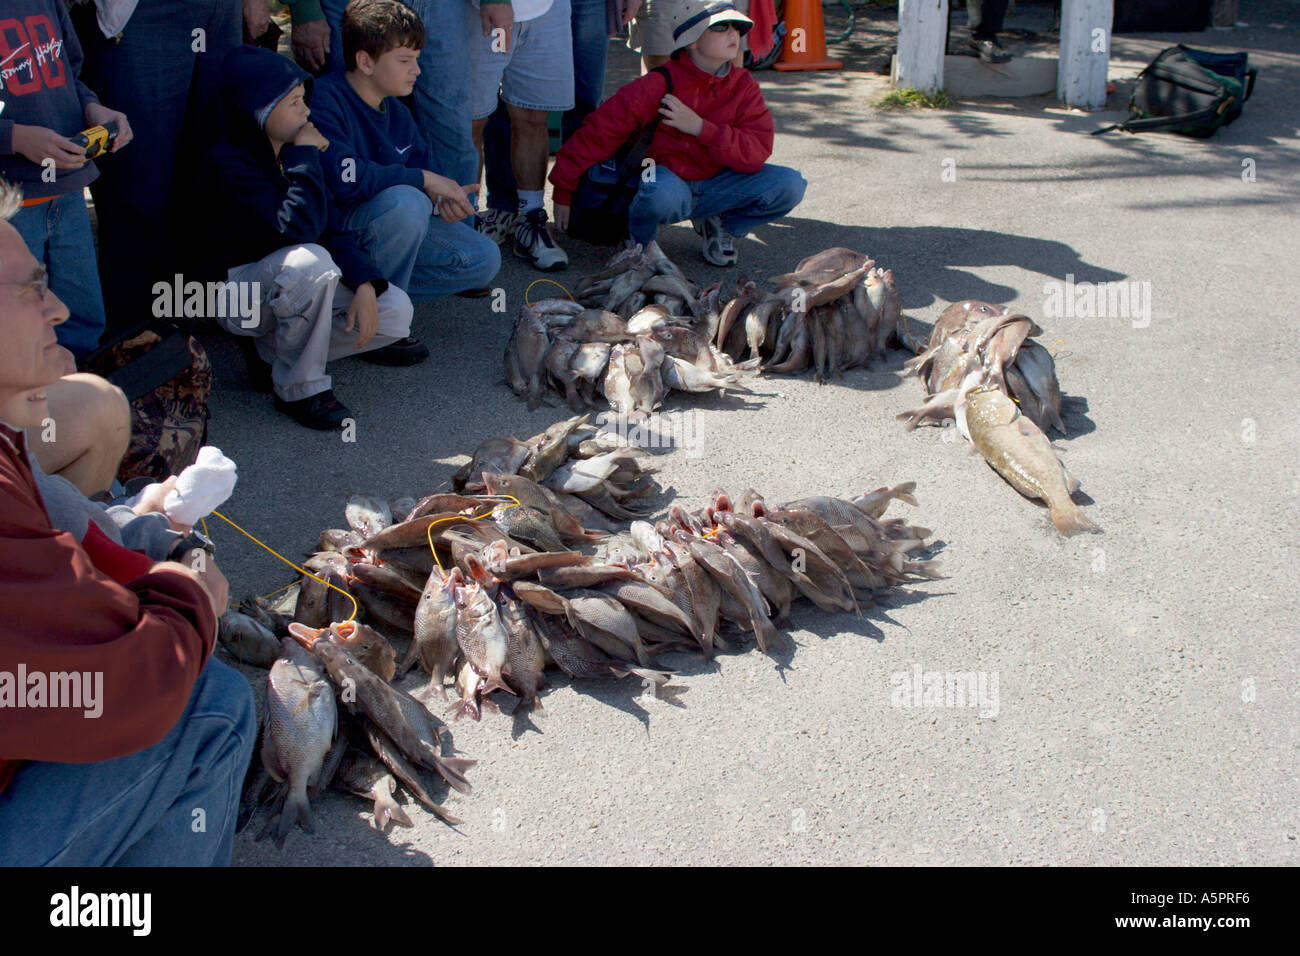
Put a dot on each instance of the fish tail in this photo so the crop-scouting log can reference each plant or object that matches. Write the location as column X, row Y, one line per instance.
column 904, row 493
column 926, row 569
column 452, row 769
column 388, row 810
column 1068, row 518
column 295, row 810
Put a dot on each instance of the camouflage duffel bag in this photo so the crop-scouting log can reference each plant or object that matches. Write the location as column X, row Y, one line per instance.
column 167, row 378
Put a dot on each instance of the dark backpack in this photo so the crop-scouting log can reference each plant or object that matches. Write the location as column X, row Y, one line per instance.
column 167, row 378
column 598, row 211
column 1188, row 91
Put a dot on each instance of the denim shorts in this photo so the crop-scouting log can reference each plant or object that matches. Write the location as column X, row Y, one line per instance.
column 537, row 71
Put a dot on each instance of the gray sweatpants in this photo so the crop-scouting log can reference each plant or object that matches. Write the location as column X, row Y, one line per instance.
column 304, row 314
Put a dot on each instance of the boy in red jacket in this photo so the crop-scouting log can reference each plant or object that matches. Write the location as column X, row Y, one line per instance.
column 710, row 149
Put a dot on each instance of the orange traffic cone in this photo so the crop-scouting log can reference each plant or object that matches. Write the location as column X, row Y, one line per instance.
column 804, row 46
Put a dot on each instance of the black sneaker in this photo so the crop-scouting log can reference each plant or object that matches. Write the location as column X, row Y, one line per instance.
column 321, row 411
column 259, row 370
column 407, row 351
column 990, row 51
column 533, row 242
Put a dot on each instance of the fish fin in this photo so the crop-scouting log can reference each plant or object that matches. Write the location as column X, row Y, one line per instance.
column 412, row 653
column 496, row 683
column 444, row 816
column 1068, row 518
column 904, row 494
column 658, row 677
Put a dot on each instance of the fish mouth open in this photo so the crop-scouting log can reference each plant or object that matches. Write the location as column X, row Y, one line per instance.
column 304, row 635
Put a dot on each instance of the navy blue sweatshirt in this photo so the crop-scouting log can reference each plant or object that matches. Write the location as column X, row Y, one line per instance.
column 261, row 204
column 385, row 143
column 40, row 85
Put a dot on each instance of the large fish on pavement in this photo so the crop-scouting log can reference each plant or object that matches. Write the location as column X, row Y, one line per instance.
column 1020, row 452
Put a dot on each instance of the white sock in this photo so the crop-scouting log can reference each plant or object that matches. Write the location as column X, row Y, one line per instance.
column 530, row 199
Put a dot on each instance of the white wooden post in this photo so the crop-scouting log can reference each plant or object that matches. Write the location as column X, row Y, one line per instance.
column 1225, row 13
column 922, row 36
column 1085, row 52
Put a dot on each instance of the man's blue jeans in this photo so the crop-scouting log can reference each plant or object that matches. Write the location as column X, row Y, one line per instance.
column 146, row 195
column 442, row 105
column 418, row 251
column 743, row 200
column 57, row 233
column 590, row 46
column 143, row 809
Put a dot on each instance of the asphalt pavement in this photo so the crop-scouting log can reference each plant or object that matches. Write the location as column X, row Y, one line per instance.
column 1138, row 696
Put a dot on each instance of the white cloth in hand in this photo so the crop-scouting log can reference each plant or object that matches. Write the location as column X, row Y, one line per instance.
column 202, row 487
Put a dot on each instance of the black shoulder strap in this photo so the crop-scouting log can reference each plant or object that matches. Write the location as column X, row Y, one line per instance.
column 1147, row 124
column 668, row 77
column 635, row 156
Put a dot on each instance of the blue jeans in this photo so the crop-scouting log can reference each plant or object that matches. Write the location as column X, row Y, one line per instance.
column 57, row 233
column 146, row 195
column 742, row 200
column 590, row 45
column 418, row 251
column 142, row 809
column 442, row 100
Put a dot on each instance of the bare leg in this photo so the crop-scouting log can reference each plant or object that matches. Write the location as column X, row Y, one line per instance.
column 477, row 131
column 529, row 140
column 90, row 433
column 649, row 61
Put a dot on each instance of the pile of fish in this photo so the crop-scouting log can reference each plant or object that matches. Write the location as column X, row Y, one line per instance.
column 333, row 716
column 636, row 329
column 494, row 583
column 835, row 311
column 983, row 370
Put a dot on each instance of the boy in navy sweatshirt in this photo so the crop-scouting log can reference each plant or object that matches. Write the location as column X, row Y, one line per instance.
column 410, row 217
column 269, row 233
column 42, row 103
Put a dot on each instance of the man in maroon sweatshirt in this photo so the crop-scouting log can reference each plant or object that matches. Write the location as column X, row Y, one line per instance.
column 121, row 741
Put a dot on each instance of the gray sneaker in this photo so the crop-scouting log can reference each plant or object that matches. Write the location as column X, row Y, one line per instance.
column 497, row 224
column 533, row 242
column 718, row 246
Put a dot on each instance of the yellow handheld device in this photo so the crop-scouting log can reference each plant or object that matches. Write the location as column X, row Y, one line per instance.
column 96, row 140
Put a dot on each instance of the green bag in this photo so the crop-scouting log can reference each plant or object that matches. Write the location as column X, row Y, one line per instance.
column 1188, row 91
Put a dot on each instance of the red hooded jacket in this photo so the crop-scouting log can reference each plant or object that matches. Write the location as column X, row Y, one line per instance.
column 64, row 610
column 737, row 131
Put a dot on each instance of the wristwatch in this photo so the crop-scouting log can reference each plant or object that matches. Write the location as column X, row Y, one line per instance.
column 188, row 542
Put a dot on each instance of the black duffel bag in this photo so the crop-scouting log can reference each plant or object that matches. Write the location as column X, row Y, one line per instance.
column 598, row 211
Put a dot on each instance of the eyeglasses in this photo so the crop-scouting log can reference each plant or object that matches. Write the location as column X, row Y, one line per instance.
column 39, row 286
column 724, row 26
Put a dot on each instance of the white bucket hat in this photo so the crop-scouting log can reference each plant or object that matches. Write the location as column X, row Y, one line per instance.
column 692, row 18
